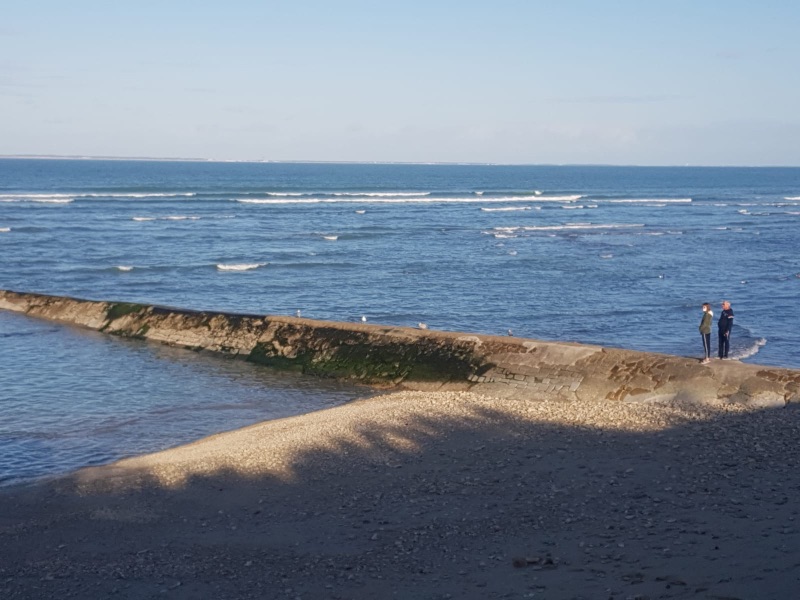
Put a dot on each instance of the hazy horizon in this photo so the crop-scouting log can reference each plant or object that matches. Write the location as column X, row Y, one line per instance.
column 628, row 83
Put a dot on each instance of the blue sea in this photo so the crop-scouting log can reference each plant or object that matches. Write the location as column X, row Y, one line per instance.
column 616, row 256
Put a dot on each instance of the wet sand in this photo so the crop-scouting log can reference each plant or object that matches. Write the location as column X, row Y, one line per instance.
column 430, row 495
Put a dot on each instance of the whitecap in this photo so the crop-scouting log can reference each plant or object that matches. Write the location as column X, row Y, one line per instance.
column 651, row 201
column 792, row 198
column 180, row 218
column 750, row 350
column 5, row 229
column 144, row 218
column 505, row 208
column 139, row 195
column 570, row 226
column 239, row 267
column 381, row 194
column 407, row 199
column 124, row 268
column 38, row 198
column 331, row 238
column 609, row 255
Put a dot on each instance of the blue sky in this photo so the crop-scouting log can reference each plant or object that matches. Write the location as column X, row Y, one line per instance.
column 614, row 82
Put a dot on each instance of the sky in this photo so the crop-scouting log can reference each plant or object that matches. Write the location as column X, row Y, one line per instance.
column 711, row 82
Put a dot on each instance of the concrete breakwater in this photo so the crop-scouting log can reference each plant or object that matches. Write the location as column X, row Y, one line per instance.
column 427, row 360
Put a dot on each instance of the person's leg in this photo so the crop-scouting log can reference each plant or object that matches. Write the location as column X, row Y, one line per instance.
column 706, row 339
column 721, row 346
column 727, row 344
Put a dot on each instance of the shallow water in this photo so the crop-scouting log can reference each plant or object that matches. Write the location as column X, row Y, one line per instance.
column 73, row 397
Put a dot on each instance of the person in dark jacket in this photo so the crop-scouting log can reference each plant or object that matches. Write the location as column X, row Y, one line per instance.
column 705, row 331
column 724, row 325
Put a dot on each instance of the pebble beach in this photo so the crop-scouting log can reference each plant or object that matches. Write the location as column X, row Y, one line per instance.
column 429, row 495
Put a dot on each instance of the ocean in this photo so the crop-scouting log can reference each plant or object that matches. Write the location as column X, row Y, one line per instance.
column 616, row 256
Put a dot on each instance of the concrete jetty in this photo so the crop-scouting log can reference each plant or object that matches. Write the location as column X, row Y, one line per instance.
column 427, row 360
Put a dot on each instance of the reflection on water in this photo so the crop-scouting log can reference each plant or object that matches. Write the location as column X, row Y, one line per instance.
column 71, row 397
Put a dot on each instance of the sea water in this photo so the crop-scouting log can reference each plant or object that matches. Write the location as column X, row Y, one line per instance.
column 617, row 256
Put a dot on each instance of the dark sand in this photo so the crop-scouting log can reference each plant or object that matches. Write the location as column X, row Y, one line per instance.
column 430, row 496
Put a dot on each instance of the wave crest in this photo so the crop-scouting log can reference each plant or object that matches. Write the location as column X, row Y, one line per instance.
column 239, row 266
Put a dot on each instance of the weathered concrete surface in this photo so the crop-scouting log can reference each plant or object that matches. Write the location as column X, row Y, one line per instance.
column 428, row 360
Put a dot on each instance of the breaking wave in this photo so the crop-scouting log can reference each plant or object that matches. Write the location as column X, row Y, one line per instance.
column 39, row 198
column 239, row 266
column 505, row 208
column 407, row 199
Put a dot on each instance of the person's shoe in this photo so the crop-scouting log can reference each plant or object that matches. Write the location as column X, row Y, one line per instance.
column 705, row 361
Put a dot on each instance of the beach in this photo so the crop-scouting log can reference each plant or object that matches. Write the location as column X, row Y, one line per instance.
column 429, row 495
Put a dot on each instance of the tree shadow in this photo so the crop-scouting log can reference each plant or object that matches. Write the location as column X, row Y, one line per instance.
column 499, row 501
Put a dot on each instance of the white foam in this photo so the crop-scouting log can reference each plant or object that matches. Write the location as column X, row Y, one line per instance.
column 331, row 238
column 5, row 229
column 239, row 267
column 40, row 198
column 139, row 195
column 395, row 199
column 505, row 208
column 651, row 201
column 743, row 212
column 609, row 255
column 144, row 218
column 750, row 351
column 792, row 198
column 360, row 212
column 576, row 206
column 180, row 218
column 124, row 268
column 381, row 194
column 568, row 227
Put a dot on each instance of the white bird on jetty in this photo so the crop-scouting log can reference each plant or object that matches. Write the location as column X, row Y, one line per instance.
column 509, row 332
column 422, row 325
column 363, row 319
column 298, row 313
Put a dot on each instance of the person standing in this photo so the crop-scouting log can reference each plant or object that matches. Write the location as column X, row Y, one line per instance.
column 725, row 324
column 705, row 331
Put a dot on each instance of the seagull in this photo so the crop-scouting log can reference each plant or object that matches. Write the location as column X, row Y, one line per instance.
column 298, row 313
column 422, row 325
column 363, row 319
column 509, row 332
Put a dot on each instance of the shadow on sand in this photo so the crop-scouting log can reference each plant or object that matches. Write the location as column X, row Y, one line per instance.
column 487, row 505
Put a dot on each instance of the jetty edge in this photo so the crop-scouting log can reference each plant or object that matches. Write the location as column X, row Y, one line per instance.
column 427, row 360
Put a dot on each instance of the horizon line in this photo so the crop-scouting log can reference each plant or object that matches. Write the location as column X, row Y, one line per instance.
column 370, row 162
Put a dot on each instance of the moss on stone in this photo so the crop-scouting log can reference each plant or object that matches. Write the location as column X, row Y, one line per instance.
column 341, row 354
column 120, row 309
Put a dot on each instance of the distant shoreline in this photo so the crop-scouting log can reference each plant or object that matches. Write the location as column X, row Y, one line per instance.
column 373, row 162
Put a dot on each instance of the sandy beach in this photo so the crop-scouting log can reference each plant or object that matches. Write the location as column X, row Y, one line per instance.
column 429, row 495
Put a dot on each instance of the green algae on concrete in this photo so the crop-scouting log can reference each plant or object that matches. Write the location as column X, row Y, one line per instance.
column 365, row 356
column 120, row 309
